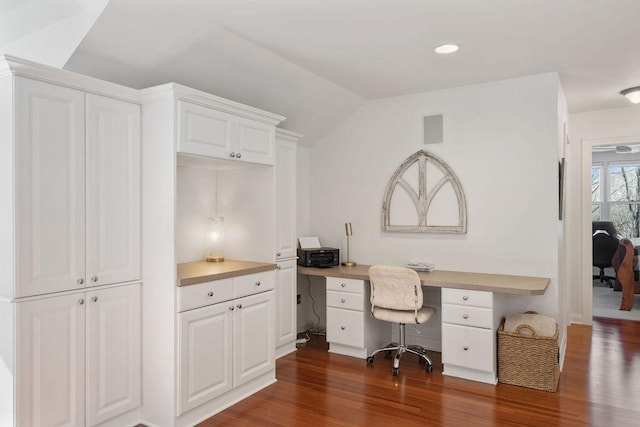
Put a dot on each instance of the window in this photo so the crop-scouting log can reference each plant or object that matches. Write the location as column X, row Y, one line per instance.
column 596, row 193
column 624, row 198
column 615, row 195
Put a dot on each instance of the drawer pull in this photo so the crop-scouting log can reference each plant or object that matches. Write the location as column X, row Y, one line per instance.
column 239, row 305
column 231, row 308
column 209, row 294
column 278, row 254
column 81, row 281
column 343, row 327
column 465, row 348
column 238, row 155
column 94, row 279
column 232, row 155
column 464, row 298
column 257, row 283
column 343, row 300
column 94, row 299
column 343, row 285
column 80, row 301
column 465, row 316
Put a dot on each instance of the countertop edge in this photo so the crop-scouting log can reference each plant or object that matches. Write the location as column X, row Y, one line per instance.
column 258, row 268
column 539, row 288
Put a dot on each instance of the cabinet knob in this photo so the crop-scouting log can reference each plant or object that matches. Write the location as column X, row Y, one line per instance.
column 465, row 316
column 231, row 308
column 238, row 155
column 232, row 155
column 278, row 267
column 94, row 279
column 465, row 348
column 464, row 298
column 343, row 285
column 343, row 300
column 343, row 327
column 239, row 305
column 209, row 294
column 257, row 283
column 81, row 301
column 81, row 281
column 94, row 299
column 278, row 254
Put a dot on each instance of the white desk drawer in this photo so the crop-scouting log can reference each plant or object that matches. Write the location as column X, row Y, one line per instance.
column 345, row 327
column 253, row 283
column 345, row 300
column 202, row 294
column 468, row 347
column 466, row 297
column 467, row 316
column 346, row 285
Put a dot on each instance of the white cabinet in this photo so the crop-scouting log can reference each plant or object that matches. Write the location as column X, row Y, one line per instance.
column 77, row 189
column 226, row 344
column 470, row 320
column 49, row 188
column 286, row 300
column 50, row 361
column 205, row 131
column 351, row 330
column 285, row 178
column 113, row 352
column 78, row 351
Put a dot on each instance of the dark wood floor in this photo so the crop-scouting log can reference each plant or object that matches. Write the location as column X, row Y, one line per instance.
column 599, row 386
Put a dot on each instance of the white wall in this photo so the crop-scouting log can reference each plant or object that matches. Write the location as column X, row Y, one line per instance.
column 584, row 128
column 501, row 139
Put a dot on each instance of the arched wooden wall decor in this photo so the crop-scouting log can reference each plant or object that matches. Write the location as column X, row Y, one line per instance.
column 446, row 186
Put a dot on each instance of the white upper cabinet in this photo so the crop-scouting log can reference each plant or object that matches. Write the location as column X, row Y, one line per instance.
column 50, row 187
column 77, row 189
column 113, row 191
column 206, row 131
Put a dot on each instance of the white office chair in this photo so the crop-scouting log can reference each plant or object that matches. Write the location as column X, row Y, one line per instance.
column 396, row 296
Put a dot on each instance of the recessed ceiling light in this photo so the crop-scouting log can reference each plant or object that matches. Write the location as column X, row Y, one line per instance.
column 447, row 48
column 632, row 94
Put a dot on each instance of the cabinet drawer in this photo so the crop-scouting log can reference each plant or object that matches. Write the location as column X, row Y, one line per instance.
column 345, row 327
column 347, row 285
column 467, row 316
column 466, row 297
column 345, row 300
column 253, row 283
column 468, row 347
column 202, row 294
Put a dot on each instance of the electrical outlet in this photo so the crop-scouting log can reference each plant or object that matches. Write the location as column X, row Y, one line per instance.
column 299, row 299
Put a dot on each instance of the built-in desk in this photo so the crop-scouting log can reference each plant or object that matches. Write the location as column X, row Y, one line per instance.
column 473, row 306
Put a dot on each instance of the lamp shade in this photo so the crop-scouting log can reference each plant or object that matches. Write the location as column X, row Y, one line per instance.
column 632, row 94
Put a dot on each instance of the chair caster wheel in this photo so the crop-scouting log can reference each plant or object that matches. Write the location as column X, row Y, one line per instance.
column 394, row 371
column 369, row 360
column 428, row 368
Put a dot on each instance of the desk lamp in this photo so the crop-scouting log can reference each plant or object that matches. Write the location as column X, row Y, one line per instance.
column 349, row 231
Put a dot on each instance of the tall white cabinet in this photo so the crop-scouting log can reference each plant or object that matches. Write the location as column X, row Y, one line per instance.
column 286, row 241
column 69, row 249
column 198, row 147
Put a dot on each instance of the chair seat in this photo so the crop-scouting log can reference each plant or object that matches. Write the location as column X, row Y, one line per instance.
column 402, row 316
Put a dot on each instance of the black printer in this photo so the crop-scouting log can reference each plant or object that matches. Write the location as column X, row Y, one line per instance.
column 318, row 257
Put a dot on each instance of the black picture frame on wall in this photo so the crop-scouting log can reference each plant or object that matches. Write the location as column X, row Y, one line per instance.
column 561, row 167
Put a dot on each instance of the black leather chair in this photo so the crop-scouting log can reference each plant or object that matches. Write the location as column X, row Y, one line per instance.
column 605, row 243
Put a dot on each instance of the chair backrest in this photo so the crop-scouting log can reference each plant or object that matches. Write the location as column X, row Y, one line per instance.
column 395, row 288
column 606, row 226
column 604, row 247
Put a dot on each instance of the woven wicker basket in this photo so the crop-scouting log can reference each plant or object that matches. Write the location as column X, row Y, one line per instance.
column 528, row 360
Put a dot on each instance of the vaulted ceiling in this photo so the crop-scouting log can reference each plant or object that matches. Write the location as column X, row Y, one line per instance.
column 316, row 61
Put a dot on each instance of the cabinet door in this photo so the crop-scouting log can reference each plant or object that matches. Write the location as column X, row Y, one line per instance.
column 113, row 352
column 285, row 293
column 253, row 337
column 285, row 173
column 51, row 361
column 254, row 141
column 50, row 188
column 203, row 131
column 469, row 347
column 204, row 355
column 113, row 191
